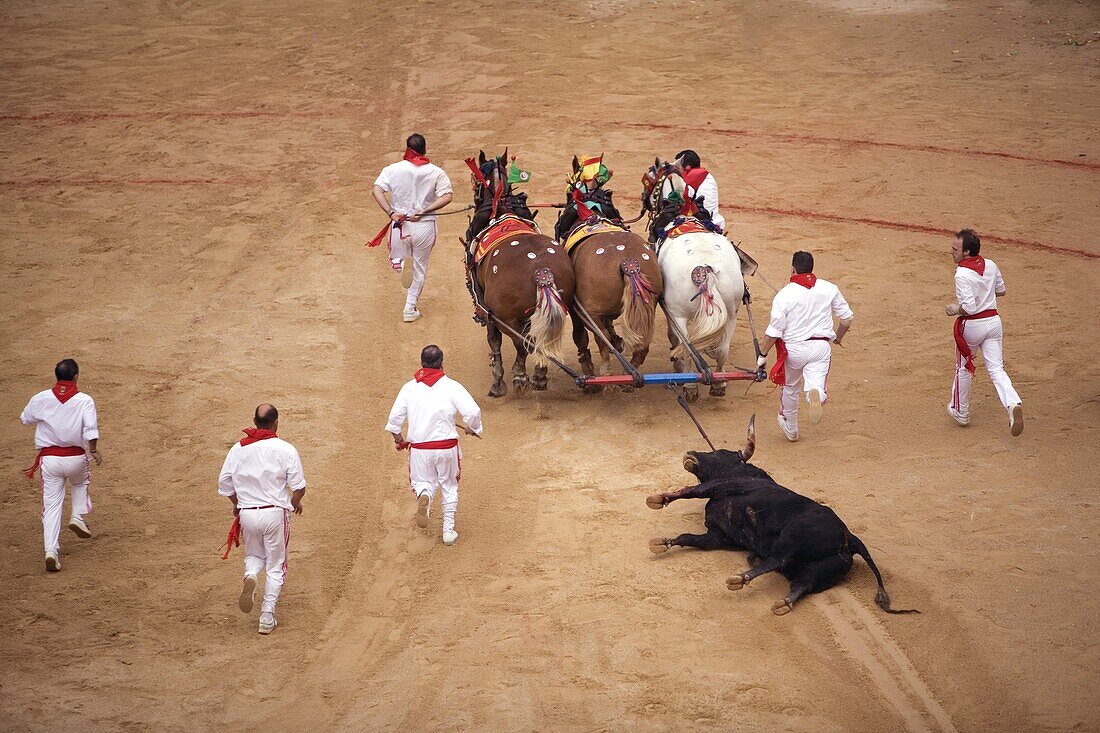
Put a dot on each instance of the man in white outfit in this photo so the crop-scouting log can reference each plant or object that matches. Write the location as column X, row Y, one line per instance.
column 416, row 188
column 801, row 329
column 262, row 476
column 700, row 184
column 429, row 403
column 65, row 420
column 978, row 284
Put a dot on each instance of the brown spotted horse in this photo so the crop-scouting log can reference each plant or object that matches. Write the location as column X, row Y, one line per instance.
column 616, row 271
column 517, row 275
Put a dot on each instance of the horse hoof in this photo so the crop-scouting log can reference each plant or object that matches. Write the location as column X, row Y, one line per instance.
column 691, row 394
column 498, row 391
column 782, row 608
column 656, row 501
column 593, row 388
column 658, row 545
column 736, row 582
column 613, row 390
column 717, row 390
column 521, row 387
column 539, row 386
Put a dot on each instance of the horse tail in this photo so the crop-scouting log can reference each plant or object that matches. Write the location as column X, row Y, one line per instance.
column 547, row 332
column 705, row 329
column 639, row 304
column 882, row 598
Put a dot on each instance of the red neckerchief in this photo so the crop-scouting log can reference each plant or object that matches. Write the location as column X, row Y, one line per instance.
column 64, row 391
column 256, row 434
column 806, row 279
column 415, row 158
column 975, row 263
column 695, row 178
column 428, row 376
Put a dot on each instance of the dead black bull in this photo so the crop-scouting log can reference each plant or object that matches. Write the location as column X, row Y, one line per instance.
column 783, row 531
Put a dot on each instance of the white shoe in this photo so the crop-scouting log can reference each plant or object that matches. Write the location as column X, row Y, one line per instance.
column 79, row 527
column 267, row 623
column 814, row 411
column 53, row 562
column 248, row 593
column 407, row 273
column 1016, row 419
column 790, row 432
column 450, row 537
column 411, row 316
column 423, row 510
column 958, row 417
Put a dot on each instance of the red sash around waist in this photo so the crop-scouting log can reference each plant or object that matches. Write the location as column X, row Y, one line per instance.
column 435, row 444
column 52, row 450
column 778, row 374
column 960, row 342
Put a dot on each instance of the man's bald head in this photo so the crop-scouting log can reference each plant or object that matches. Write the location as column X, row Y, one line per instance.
column 266, row 417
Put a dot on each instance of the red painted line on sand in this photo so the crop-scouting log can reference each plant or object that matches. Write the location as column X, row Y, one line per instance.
column 862, row 142
column 90, row 182
column 67, row 118
column 902, row 226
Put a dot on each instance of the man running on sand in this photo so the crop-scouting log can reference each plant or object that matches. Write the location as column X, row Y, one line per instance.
column 429, row 403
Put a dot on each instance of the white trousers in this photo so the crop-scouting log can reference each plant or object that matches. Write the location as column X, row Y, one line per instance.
column 986, row 334
column 266, row 536
column 443, row 468
column 56, row 470
column 418, row 243
column 807, row 369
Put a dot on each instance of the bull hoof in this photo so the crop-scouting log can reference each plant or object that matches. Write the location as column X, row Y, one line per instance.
column 656, row 501
column 717, row 390
column 658, row 545
column 691, row 394
column 782, row 608
column 736, row 582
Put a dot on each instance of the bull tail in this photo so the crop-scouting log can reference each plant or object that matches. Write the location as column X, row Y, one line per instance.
column 882, row 598
column 705, row 328
column 639, row 304
column 547, row 332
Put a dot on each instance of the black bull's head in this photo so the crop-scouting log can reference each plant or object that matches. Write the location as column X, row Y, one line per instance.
column 721, row 463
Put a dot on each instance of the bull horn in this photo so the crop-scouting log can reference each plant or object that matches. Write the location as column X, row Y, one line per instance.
column 750, row 442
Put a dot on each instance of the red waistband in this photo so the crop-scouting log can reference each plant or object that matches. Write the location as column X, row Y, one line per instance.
column 984, row 314
column 265, row 506
column 435, row 444
column 52, row 450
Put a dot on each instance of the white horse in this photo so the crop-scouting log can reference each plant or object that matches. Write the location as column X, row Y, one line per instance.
column 702, row 275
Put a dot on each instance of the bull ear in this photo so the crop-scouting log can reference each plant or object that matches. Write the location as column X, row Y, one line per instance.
column 750, row 441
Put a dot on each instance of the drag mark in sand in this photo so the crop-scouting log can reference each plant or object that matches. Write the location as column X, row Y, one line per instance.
column 118, row 182
column 76, row 118
column 804, row 138
column 907, row 227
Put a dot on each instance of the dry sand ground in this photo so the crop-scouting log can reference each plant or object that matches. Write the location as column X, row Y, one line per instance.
column 183, row 201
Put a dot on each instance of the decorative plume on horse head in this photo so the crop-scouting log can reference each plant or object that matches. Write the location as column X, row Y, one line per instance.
column 586, row 197
column 492, row 180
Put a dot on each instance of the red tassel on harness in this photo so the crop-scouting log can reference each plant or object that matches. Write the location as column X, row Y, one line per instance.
column 478, row 176
column 583, row 212
column 233, row 539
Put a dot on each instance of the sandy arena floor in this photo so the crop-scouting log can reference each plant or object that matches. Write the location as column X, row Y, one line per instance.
column 184, row 195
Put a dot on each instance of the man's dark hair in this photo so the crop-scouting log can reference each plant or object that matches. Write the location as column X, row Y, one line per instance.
column 431, row 357
column 66, row 370
column 417, row 142
column 689, row 157
column 971, row 245
column 265, row 416
column 802, row 262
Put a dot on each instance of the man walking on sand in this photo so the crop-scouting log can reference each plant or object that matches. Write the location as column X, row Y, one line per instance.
column 978, row 284
column 65, row 420
column 429, row 403
column 262, row 477
column 416, row 188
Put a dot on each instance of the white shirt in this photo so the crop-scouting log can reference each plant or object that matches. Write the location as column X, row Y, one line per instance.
column 430, row 411
column 708, row 189
column 799, row 314
column 62, row 425
column 262, row 473
column 977, row 293
column 413, row 187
